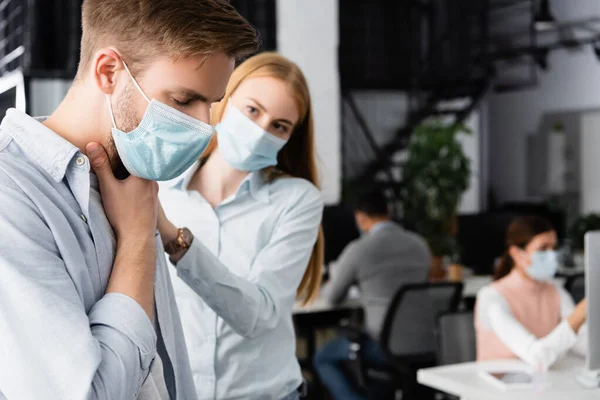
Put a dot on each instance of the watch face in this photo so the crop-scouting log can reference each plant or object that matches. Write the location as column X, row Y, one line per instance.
column 186, row 238
column 182, row 242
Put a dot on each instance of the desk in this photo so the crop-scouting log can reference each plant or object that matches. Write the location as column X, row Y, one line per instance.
column 320, row 305
column 463, row 380
column 322, row 314
column 318, row 315
column 567, row 272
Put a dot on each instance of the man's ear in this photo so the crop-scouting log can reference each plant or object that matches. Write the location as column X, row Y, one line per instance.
column 107, row 63
column 359, row 218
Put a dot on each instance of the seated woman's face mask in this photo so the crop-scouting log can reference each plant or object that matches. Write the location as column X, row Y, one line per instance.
column 544, row 265
column 164, row 145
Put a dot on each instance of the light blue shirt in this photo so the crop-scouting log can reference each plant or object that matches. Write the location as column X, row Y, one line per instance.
column 61, row 336
column 236, row 285
column 379, row 226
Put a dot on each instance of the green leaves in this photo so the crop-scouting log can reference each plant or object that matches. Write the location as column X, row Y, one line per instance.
column 582, row 225
column 435, row 176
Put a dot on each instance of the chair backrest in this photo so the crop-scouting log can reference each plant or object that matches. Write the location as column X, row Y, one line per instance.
column 456, row 338
column 409, row 326
column 576, row 286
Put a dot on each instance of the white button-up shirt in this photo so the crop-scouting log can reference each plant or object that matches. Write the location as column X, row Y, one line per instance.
column 236, row 285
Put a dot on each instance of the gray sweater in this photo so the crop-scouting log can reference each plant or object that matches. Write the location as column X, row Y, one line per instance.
column 380, row 263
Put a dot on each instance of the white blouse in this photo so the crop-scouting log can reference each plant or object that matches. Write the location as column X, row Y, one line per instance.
column 494, row 313
column 236, row 285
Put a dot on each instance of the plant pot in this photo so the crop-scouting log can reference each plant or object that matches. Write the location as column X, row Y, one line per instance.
column 455, row 273
column 437, row 272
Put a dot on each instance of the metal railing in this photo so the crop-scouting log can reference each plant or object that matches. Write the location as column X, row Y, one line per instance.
column 447, row 60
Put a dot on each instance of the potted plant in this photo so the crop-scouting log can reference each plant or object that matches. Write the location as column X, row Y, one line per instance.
column 435, row 175
column 577, row 231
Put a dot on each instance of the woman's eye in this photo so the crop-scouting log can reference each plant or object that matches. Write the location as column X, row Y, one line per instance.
column 280, row 128
column 251, row 110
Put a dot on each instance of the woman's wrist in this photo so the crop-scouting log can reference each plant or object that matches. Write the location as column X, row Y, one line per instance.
column 576, row 320
column 168, row 233
column 578, row 316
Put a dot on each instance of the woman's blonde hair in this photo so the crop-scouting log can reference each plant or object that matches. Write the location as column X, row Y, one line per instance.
column 297, row 158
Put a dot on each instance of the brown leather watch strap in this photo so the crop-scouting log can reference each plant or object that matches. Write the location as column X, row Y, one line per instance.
column 181, row 242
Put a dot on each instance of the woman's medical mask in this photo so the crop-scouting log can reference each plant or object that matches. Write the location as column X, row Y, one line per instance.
column 166, row 142
column 544, row 265
column 245, row 145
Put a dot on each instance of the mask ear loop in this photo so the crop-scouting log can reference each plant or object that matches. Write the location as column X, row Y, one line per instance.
column 135, row 82
column 110, row 111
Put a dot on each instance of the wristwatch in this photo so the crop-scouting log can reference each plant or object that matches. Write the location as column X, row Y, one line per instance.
column 182, row 242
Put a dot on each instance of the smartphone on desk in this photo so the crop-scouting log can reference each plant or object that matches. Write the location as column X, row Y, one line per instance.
column 509, row 380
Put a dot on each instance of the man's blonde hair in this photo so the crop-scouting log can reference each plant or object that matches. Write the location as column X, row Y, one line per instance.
column 145, row 29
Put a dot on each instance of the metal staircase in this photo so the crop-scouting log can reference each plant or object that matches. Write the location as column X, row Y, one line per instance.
column 443, row 71
column 440, row 57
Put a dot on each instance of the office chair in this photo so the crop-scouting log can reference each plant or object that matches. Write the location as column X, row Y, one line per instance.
column 455, row 338
column 407, row 338
column 575, row 285
column 455, row 341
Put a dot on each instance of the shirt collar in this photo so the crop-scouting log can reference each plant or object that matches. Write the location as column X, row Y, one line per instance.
column 254, row 182
column 52, row 152
column 379, row 226
column 258, row 187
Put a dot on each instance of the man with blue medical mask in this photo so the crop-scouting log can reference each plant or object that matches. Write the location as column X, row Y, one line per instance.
column 86, row 305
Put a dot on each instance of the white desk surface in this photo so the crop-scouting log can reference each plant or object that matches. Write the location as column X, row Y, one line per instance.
column 472, row 284
column 463, row 380
column 321, row 305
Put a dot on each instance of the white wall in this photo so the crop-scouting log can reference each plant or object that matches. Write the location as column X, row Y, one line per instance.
column 471, row 199
column 384, row 112
column 307, row 33
column 571, row 83
column 45, row 95
column 590, row 149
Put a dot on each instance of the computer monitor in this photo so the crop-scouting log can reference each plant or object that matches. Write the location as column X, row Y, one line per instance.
column 591, row 374
column 339, row 229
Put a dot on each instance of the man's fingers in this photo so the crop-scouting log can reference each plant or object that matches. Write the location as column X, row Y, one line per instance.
column 99, row 160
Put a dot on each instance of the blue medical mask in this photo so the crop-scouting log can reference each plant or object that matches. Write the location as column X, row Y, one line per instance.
column 544, row 265
column 164, row 145
column 245, row 145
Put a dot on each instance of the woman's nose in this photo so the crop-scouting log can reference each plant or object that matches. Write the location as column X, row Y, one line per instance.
column 264, row 121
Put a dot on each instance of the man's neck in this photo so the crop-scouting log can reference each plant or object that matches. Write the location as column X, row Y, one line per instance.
column 78, row 119
column 217, row 180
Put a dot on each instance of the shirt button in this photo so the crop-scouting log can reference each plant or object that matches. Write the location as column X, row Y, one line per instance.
column 80, row 161
column 83, row 218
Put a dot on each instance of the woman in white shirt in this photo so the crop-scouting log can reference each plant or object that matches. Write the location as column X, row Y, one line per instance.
column 523, row 314
column 253, row 245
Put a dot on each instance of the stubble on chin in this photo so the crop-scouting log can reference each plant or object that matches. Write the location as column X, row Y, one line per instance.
column 126, row 121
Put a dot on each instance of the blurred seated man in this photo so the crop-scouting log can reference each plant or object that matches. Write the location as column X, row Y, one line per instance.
column 382, row 260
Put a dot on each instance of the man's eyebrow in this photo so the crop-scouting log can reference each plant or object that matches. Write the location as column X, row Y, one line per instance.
column 191, row 94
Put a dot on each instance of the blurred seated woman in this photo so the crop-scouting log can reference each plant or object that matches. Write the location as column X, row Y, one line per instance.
column 523, row 314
